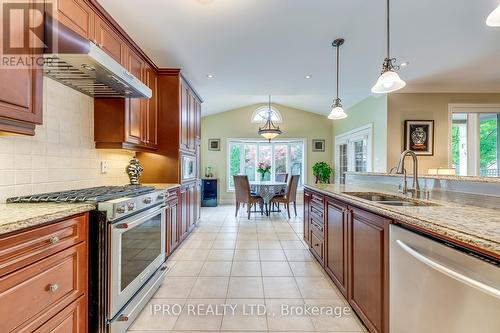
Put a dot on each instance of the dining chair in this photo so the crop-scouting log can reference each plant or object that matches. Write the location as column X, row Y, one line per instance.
column 280, row 177
column 243, row 195
column 290, row 196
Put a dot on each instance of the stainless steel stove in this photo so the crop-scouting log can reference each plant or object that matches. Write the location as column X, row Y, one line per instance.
column 126, row 249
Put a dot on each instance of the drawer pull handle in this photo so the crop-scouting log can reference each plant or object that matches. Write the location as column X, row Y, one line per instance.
column 54, row 240
column 53, row 287
column 122, row 318
column 316, row 244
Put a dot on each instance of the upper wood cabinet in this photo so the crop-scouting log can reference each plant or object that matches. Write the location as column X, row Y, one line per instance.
column 150, row 108
column 21, row 88
column 110, row 41
column 76, row 15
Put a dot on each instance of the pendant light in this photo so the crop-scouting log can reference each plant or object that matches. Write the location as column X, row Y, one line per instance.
column 493, row 19
column 337, row 112
column 389, row 79
column 269, row 130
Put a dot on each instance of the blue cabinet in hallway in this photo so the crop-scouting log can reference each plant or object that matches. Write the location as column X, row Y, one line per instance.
column 209, row 192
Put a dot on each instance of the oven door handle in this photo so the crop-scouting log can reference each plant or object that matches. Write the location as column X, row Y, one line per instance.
column 133, row 221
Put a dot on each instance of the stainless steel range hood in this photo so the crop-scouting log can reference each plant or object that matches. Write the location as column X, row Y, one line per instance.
column 80, row 64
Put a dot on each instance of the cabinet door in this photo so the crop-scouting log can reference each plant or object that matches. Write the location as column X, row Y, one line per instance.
column 193, row 215
column 307, row 203
column 76, row 15
column 73, row 319
column 192, row 121
column 336, row 243
column 21, row 88
column 150, row 107
column 184, row 117
column 134, row 112
column 184, row 220
column 197, row 119
column 369, row 268
column 109, row 40
column 172, row 234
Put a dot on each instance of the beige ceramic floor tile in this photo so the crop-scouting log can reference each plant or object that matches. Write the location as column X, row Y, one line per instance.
column 216, row 268
column 247, row 245
column 306, row 268
column 246, row 268
column 339, row 318
column 272, row 255
column 316, row 287
column 280, row 287
column 158, row 314
column 220, row 255
column 186, row 268
column 246, row 255
column 292, row 245
column 245, row 287
column 210, row 287
column 195, row 315
column 279, row 320
column 298, row 255
column 175, row 287
column 269, row 245
column 275, row 268
column 244, row 316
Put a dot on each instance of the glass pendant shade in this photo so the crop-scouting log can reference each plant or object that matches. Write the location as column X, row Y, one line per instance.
column 269, row 134
column 388, row 82
column 337, row 111
column 269, row 130
column 493, row 19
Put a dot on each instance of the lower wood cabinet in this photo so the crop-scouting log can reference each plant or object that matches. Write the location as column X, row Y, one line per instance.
column 369, row 268
column 173, row 214
column 46, row 291
column 354, row 252
column 336, row 243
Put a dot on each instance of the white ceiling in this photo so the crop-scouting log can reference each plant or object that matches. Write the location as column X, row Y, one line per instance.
column 260, row 47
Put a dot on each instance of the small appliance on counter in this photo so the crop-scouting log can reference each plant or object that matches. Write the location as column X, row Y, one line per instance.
column 209, row 192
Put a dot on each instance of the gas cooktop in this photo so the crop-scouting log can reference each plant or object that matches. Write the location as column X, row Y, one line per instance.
column 91, row 195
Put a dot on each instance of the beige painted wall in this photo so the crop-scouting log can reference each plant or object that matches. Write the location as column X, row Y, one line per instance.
column 370, row 110
column 62, row 154
column 236, row 124
column 425, row 106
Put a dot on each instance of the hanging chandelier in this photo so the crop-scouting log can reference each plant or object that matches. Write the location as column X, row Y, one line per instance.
column 389, row 79
column 269, row 130
column 337, row 112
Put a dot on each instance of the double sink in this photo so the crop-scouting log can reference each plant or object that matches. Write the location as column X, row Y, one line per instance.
column 389, row 200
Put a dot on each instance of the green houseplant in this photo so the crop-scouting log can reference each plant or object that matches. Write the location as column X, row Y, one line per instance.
column 323, row 172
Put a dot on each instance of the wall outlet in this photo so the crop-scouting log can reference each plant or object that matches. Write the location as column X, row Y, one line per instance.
column 104, row 167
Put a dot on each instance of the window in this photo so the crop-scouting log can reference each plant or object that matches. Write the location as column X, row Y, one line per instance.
column 353, row 152
column 284, row 156
column 261, row 114
column 474, row 136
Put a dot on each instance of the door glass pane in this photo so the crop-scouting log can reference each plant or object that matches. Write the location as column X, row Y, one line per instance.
column 250, row 161
column 234, row 162
column 459, row 143
column 139, row 247
column 342, row 149
column 280, row 152
column 488, row 144
column 360, row 155
column 265, row 156
column 297, row 160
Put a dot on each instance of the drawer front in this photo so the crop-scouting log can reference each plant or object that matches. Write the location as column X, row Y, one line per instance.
column 70, row 320
column 317, row 214
column 318, row 201
column 317, row 246
column 48, row 286
column 22, row 249
column 318, row 227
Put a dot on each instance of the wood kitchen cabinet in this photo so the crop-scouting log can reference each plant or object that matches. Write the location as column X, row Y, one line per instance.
column 21, row 88
column 173, row 219
column 307, row 205
column 185, row 210
column 43, row 278
column 336, row 243
column 76, row 15
column 368, row 291
column 110, row 41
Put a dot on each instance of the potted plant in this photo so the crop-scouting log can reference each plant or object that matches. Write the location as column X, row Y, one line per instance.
column 322, row 172
column 263, row 169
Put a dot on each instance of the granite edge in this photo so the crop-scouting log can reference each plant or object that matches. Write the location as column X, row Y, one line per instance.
column 438, row 177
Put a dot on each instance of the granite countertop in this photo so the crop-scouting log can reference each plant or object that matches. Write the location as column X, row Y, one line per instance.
column 440, row 177
column 476, row 226
column 163, row 186
column 18, row 216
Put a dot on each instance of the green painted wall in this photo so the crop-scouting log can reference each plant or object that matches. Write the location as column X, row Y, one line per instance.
column 297, row 124
column 370, row 110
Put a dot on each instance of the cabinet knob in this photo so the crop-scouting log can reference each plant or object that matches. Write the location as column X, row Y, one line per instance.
column 317, row 244
column 148, row 200
column 53, row 287
column 122, row 318
column 54, row 240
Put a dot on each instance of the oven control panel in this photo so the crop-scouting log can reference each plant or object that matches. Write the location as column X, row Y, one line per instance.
column 119, row 208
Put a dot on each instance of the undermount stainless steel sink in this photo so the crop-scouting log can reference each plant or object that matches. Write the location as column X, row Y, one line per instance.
column 390, row 200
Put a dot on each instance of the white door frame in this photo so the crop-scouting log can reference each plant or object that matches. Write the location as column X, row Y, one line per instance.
column 347, row 137
column 472, row 130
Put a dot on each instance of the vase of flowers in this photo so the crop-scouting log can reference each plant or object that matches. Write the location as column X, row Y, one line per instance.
column 263, row 169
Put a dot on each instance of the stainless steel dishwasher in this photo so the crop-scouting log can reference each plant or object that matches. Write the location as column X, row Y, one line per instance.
column 436, row 288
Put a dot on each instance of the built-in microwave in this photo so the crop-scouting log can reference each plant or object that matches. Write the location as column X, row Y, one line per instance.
column 188, row 167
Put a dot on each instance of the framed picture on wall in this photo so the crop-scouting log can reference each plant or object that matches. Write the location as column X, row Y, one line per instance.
column 318, row 145
column 419, row 136
column 214, row 144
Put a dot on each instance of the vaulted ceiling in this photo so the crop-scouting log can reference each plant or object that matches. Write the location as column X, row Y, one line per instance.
column 260, row 47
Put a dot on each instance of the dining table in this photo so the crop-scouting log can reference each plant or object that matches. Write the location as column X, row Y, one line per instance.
column 267, row 190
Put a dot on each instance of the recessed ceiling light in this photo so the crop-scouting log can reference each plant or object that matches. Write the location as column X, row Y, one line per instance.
column 308, row 77
column 404, row 64
column 210, row 76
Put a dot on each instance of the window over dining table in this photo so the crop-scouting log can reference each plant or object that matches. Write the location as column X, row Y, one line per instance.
column 284, row 156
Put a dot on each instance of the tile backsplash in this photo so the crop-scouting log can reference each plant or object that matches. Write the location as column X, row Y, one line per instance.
column 62, row 154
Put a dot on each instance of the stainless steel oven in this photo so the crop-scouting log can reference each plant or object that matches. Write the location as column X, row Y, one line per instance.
column 137, row 250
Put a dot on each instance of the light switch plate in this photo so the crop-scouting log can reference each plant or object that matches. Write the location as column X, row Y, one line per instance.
column 104, row 167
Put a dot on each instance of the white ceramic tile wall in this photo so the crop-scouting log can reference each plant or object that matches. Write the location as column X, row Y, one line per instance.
column 62, row 154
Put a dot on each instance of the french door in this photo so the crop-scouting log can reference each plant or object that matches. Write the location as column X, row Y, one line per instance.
column 353, row 152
